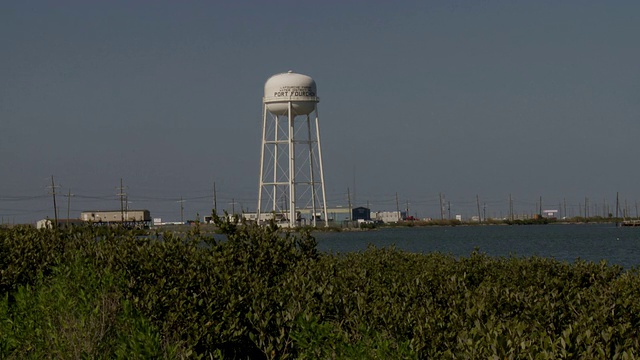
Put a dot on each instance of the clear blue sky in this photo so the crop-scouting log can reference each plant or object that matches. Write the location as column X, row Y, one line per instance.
column 464, row 98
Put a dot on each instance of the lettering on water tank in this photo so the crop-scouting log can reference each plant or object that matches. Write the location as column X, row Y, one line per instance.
column 287, row 91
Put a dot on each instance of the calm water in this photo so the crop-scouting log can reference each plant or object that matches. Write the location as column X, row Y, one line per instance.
column 563, row 242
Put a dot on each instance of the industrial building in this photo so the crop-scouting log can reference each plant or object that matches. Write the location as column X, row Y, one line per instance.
column 130, row 218
column 388, row 216
column 361, row 213
column 336, row 216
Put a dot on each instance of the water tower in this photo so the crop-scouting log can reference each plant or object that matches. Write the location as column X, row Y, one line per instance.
column 291, row 175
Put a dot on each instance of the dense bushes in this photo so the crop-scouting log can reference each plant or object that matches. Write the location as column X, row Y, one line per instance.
column 260, row 293
column 77, row 311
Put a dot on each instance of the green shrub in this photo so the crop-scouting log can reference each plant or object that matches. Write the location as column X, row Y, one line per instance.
column 261, row 293
column 76, row 312
column 25, row 253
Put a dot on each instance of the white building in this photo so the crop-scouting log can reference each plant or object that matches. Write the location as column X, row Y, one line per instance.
column 388, row 216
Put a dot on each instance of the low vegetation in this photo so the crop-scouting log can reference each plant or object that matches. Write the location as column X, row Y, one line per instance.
column 529, row 221
column 263, row 294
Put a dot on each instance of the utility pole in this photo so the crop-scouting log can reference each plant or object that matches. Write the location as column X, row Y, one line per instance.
column 122, row 194
column 69, row 195
column 626, row 209
column 580, row 208
column 540, row 210
column 565, row 207
column 349, row 204
column 560, row 209
column 617, row 206
column 449, row 208
column 484, row 211
column 586, row 207
column 55, row 207
column 215, row 200
column 354, row 184
column 181, row 201
column 510, row 208
column 441, row 207
column 126, row 207
column 398, row 207
column 478, row 204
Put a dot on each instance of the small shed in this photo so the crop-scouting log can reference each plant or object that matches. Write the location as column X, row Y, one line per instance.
column 360, row 213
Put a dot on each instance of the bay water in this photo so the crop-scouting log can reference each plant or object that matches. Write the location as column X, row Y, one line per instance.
column 564, row 242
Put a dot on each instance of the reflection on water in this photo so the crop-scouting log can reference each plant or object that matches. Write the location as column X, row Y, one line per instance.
column 592, row 242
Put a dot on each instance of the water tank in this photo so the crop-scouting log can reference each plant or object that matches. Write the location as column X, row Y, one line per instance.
column 287, row 87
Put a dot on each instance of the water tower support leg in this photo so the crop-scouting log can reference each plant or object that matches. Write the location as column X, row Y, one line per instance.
column 275, row 163
column 311, row 173
column 264, row 129
column 324, row 194
column 292, row 172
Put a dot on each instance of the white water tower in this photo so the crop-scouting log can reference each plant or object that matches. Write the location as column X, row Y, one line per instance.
column 291, row 174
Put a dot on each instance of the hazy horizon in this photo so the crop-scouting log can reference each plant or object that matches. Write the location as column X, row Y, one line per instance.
column 464, row 98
